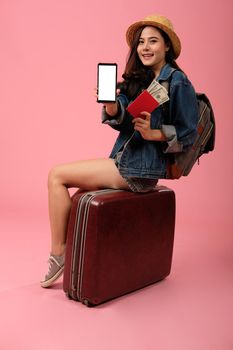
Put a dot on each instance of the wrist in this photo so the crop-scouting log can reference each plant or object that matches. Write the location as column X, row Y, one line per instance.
column 112, row 109
column 157, row 135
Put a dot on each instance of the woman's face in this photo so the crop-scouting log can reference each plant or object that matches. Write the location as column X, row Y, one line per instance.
column 152, row 48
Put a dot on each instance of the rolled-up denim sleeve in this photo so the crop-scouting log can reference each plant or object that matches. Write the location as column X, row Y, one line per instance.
column 172, row 144
column 123, row 120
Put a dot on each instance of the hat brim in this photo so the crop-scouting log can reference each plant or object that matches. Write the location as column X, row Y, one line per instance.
column 176, row 44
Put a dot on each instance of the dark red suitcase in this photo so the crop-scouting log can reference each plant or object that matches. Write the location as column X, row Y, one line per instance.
column 118, row 242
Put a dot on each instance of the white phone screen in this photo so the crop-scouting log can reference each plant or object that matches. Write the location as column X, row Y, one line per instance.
column 107, row 80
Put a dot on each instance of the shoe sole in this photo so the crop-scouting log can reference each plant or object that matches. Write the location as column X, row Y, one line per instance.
column 48, row 283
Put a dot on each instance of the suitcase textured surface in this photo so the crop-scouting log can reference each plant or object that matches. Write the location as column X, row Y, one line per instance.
column 118, row 242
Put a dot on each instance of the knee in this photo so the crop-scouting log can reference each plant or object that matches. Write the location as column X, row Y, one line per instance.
column 54, row 177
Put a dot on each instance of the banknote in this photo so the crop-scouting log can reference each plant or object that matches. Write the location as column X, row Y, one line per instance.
column 158, row 92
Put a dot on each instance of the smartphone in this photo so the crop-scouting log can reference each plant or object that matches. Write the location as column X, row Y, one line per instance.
column 106, row 82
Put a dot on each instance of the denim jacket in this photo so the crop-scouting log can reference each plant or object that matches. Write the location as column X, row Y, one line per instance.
column 147, row 159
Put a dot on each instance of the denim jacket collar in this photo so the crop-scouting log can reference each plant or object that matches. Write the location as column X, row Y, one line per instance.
column 166, row 72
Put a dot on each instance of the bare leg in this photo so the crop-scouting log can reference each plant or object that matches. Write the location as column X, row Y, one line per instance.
column 88, row 175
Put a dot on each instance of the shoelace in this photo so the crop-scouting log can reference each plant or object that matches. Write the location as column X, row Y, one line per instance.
column 51, row 261
column 50, row 265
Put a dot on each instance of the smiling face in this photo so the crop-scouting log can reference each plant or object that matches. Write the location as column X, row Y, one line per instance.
column 152, row 49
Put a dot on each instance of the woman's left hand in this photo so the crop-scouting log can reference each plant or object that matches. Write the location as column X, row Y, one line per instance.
column 143, row 125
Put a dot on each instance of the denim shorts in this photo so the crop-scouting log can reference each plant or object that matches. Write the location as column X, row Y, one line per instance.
column 137, row 184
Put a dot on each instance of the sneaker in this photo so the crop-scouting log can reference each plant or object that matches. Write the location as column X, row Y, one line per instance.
column 56, row 268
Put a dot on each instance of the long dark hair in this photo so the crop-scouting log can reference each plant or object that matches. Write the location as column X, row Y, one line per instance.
column 136, row 76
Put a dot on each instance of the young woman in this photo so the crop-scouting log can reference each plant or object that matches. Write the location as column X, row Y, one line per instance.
column 139, row 156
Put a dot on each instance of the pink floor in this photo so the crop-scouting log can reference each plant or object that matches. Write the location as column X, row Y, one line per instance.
column 191, row 310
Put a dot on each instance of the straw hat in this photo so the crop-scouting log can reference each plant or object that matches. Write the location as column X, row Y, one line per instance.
column 155, row 21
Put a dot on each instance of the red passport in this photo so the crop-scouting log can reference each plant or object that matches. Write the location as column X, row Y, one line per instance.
column 145, row 102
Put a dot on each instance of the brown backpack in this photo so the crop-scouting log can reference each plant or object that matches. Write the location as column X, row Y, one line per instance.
column 180, row 164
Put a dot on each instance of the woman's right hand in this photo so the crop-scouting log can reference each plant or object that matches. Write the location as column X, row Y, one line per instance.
column 110, row 107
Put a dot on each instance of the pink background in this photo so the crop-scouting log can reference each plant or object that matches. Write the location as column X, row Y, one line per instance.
column 48, row 58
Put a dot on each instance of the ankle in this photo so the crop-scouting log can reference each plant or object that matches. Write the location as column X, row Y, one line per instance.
column 58, row 250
